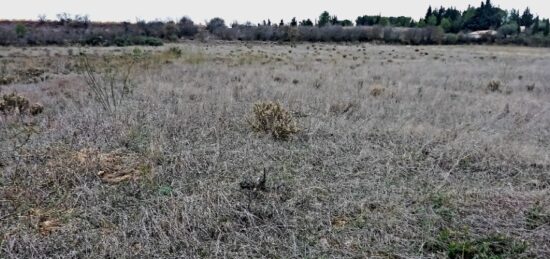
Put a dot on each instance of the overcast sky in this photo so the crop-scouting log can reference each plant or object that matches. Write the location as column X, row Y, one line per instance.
column 240, row 10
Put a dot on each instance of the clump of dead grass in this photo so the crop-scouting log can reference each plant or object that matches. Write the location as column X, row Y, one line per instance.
column 36, row 109
column 17, row 104
column 6, row 80
column 116, row 166
column 13, row 103
column 377, row 91
column 494, row 86
column 272, row 118
column 343, row 107
column 47, row 221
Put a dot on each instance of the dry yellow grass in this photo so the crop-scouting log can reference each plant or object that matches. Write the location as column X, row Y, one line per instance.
column 407, row 159
column 272, row 118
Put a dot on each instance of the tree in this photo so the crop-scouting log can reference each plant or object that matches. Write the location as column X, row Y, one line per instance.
column 366, row 20
column 428, row 13
column 307, row 22
column 334, row 20
column 293, row 22
column 508, row 29
column 346, row 23
column 439, row 15
column 546, row 29
column 215, row 24
column 421, row 23
column 432, row 20
column 384, row 21
column 20, row 30
column 536, row 26
column 170, row 31
column 526, row 18
column 324, row 19
column 468, row 15
column 42, row 18
column 446, row 24
column 81, row 21
column 187, row 27
column 282, row 23
column 401, row 21
column 64, row 18
column 485, row 17
column 514, row 16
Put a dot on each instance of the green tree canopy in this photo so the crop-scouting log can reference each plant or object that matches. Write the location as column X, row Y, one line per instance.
column 324, row 19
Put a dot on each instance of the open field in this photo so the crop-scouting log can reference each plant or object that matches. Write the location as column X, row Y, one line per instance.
column 399, row 152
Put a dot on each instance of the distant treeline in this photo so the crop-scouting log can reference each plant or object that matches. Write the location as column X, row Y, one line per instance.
column 489, row 24
column 68, row 30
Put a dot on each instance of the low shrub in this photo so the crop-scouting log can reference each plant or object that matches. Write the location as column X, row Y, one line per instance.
column 377, row 91
column 110, row 79
column 6, row 80
column 176, row 52
column 272, row 118
column 13, row 103
column 494, row 86
column 138, row 40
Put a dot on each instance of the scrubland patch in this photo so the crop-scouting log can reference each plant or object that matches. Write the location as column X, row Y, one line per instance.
column 232, row 150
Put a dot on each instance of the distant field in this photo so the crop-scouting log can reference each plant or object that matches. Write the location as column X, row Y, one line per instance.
column 371, row 151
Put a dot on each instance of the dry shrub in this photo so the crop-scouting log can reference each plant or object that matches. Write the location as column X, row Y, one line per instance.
column 46, row 221
column 111, row 78
column 494, row 86
column 36, row 109
column 271, row 117
column 66, row 168
column 342, row 107
column 14, row 103
column 175, row 51
column 116, row 166
column 6, row 80
column 377, row 90
column 31, row 73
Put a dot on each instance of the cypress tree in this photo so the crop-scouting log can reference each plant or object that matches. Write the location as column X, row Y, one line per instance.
column 428, row 13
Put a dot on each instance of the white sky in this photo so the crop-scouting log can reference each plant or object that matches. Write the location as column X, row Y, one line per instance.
column 240, row 10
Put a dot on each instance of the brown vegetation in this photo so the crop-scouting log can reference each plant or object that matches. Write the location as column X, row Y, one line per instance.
column 272, row 118
column 417, row 158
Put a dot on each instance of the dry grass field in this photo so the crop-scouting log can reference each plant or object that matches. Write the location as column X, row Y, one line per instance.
column 233, row 150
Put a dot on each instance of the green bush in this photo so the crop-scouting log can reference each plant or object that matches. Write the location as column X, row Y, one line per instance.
column 95, row 40
column 451, row 38
column 461, row 244
column 149, row 41
column 20, row 30
column 508, row 29
column 139, row 40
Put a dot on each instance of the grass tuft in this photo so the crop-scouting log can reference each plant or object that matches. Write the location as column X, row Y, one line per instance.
column 494, row 86
column 272, row 118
